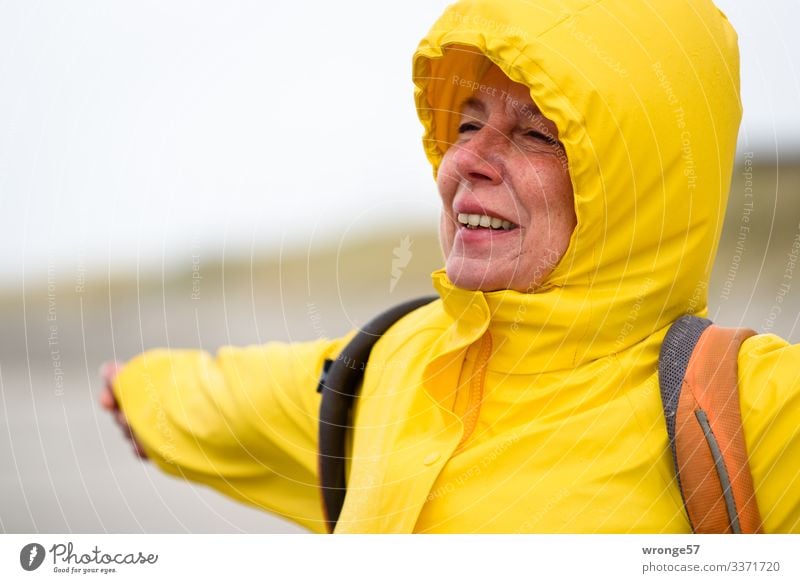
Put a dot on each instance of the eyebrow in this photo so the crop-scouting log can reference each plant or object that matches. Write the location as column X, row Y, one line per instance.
column 480, row 106
column 474, row 103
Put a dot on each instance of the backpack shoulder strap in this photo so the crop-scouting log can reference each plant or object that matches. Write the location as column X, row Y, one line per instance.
column 339, row 385
column 698, row 376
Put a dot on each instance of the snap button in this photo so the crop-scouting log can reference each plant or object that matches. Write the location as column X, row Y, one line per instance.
column 431, row 458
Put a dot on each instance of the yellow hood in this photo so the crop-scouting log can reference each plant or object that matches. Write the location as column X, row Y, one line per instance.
column 645, row 96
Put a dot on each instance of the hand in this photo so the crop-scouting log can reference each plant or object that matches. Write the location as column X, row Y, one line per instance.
column 109, row 402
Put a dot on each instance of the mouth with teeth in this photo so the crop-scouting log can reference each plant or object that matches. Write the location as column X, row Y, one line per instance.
column 484, row 222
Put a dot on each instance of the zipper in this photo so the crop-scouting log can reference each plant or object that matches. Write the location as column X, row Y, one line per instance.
column 475, row 389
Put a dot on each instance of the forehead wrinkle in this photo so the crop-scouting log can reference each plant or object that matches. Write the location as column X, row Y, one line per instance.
column 473, row 103
column 523, row 110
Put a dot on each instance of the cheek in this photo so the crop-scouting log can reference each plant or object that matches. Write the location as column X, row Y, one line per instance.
column 446, row 181
column 549, row 196
column 566, row 203
column 446, row 234
column 447, row 186
column 561, row 213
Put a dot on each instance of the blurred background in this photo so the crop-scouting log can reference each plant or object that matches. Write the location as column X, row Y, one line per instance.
column 201, row 174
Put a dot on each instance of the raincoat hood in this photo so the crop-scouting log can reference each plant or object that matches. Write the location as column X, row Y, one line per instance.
column 645, row 96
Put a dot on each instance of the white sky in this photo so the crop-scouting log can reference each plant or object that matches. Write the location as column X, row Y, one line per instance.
column 141, row 132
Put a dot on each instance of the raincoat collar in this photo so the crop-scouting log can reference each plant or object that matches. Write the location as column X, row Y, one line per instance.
column 531, row 333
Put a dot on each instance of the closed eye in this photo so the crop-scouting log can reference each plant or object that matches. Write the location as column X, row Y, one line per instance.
column 540, row 136
column 468, row 127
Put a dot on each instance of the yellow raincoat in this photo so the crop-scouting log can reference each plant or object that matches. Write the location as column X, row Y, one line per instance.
column 510, row 412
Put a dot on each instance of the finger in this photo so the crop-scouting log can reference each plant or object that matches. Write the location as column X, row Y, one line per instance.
column 108, row 401
column 139, row 450
column 122, row 421
column 128, row 432
column 108, row 372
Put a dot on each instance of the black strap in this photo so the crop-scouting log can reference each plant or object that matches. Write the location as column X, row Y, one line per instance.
column 676, row 350
column 339, row 385
column 673, row 359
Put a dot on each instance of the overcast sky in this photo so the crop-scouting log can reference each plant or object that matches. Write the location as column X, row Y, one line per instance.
column 141, row 132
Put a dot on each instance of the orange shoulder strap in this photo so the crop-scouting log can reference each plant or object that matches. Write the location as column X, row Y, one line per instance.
column 705, row 425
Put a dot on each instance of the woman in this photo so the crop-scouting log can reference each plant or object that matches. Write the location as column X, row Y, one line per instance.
column 583, row 152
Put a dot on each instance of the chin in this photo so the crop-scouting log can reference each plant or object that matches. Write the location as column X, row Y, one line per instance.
column 474, row 277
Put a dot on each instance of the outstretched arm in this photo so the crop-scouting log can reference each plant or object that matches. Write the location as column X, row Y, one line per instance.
column 244, row 422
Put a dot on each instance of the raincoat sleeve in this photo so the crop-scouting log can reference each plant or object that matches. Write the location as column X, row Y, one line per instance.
column 243, row 422
column 769, row 389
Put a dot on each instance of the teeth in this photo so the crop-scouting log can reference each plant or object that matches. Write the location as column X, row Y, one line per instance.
column 475, row 221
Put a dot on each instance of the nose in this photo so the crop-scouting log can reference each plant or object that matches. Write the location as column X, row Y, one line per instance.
column 478, row 159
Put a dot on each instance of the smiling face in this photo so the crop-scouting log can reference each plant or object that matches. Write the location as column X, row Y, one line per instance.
column 507, row 199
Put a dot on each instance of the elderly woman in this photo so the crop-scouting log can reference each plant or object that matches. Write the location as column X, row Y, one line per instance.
column 583, row 153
